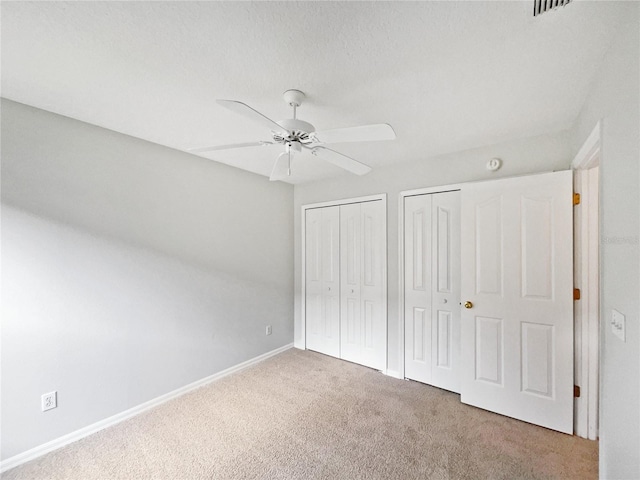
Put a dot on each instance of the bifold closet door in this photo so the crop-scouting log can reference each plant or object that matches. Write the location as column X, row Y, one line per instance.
column 432, row 289
column 362, row 256
column 322, row 271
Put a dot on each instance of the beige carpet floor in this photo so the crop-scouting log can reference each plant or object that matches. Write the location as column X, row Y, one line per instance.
column 304, row 415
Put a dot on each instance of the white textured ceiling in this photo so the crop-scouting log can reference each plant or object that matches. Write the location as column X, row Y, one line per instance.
column 446, row 75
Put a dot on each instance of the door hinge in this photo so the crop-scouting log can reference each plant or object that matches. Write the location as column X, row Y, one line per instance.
column 576, row 294
column 576, row 391
column 576, row 199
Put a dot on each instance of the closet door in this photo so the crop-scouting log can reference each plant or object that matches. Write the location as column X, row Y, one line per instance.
column 417, row 288
column 445, row 290
column 351, row 327
column 432, row 289
column 362, row 306
column 322, row 268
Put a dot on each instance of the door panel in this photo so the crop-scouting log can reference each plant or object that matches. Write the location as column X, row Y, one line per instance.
column 372, row 293
column 444, row 343
column 489, row 346
column 322, row 280
column 362, row 252
column 488, row 246
column 313, row 267
column 352, row 319
column 417, row 293
column 517, row 339
column 421, row 339
column 351, row 259
column 445, row 308
column 432, row 289
column 537, row 359
column 537, row 250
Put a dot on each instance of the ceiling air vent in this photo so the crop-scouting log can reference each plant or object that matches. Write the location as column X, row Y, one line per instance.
column 541, row 6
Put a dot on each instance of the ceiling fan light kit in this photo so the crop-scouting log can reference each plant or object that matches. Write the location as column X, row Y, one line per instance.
column 296, row 135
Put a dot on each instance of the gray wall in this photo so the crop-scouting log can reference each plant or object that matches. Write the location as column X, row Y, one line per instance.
column 615, row 100
column 129, row 270
column 530, row 155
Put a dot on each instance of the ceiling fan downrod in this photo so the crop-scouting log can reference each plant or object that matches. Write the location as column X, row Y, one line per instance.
column 294, row 99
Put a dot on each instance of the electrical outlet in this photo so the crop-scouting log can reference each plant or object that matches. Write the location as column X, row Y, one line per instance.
column 268, row 332
column 49, row 401
column 618, row 324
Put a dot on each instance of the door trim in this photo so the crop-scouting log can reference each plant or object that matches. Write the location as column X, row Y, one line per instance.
column 302, row 343
column 587, row 278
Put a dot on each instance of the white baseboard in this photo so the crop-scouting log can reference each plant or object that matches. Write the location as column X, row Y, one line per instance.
column 60, row 442
column 394, row 374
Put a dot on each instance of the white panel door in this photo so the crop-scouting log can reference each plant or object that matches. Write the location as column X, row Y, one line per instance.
column 363, row 254
column 517, row 331
column 322, row 269
column 417, row 288
column 445, row 290
column 432, row 289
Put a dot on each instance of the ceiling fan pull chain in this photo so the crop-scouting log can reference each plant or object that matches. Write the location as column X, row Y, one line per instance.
column 289, row 169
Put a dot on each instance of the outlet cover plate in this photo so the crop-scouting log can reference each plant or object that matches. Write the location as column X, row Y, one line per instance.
column 618, row 324
column 49, row 401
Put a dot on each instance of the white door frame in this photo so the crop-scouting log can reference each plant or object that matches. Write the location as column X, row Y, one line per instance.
column 408, row 193
column 303, row 315
column 587, row 279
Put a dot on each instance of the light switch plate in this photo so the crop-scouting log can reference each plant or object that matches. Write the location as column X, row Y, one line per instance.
column 618, row 324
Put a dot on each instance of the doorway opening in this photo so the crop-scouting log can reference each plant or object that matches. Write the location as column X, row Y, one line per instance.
column 586, row 181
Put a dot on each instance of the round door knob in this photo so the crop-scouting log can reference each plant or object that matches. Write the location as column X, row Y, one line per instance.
column 468, row 304
column 444, row 300
column 352, row 290
column 329, row 288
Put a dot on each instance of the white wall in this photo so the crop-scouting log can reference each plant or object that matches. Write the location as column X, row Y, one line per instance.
column 615, row 99
column 128, row 270
column 530, row 155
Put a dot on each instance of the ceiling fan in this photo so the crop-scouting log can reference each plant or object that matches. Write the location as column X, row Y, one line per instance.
column 296, row 135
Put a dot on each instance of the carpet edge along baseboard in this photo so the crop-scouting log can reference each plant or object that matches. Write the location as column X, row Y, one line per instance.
column 83, row 432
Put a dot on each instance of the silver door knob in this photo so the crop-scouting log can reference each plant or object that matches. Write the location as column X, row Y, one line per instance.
column 352, row 290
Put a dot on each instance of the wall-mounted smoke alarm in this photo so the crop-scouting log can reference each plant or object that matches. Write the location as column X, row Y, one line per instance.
column 494, row 164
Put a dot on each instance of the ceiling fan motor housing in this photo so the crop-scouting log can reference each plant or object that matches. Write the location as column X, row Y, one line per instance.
column 300, row 131
column 295, row 125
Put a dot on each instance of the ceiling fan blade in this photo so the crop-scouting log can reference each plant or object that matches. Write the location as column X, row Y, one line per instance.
column 363, row 133
column 227, row 147
column 282, row 167
column 246, row 111
column 341, row 160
